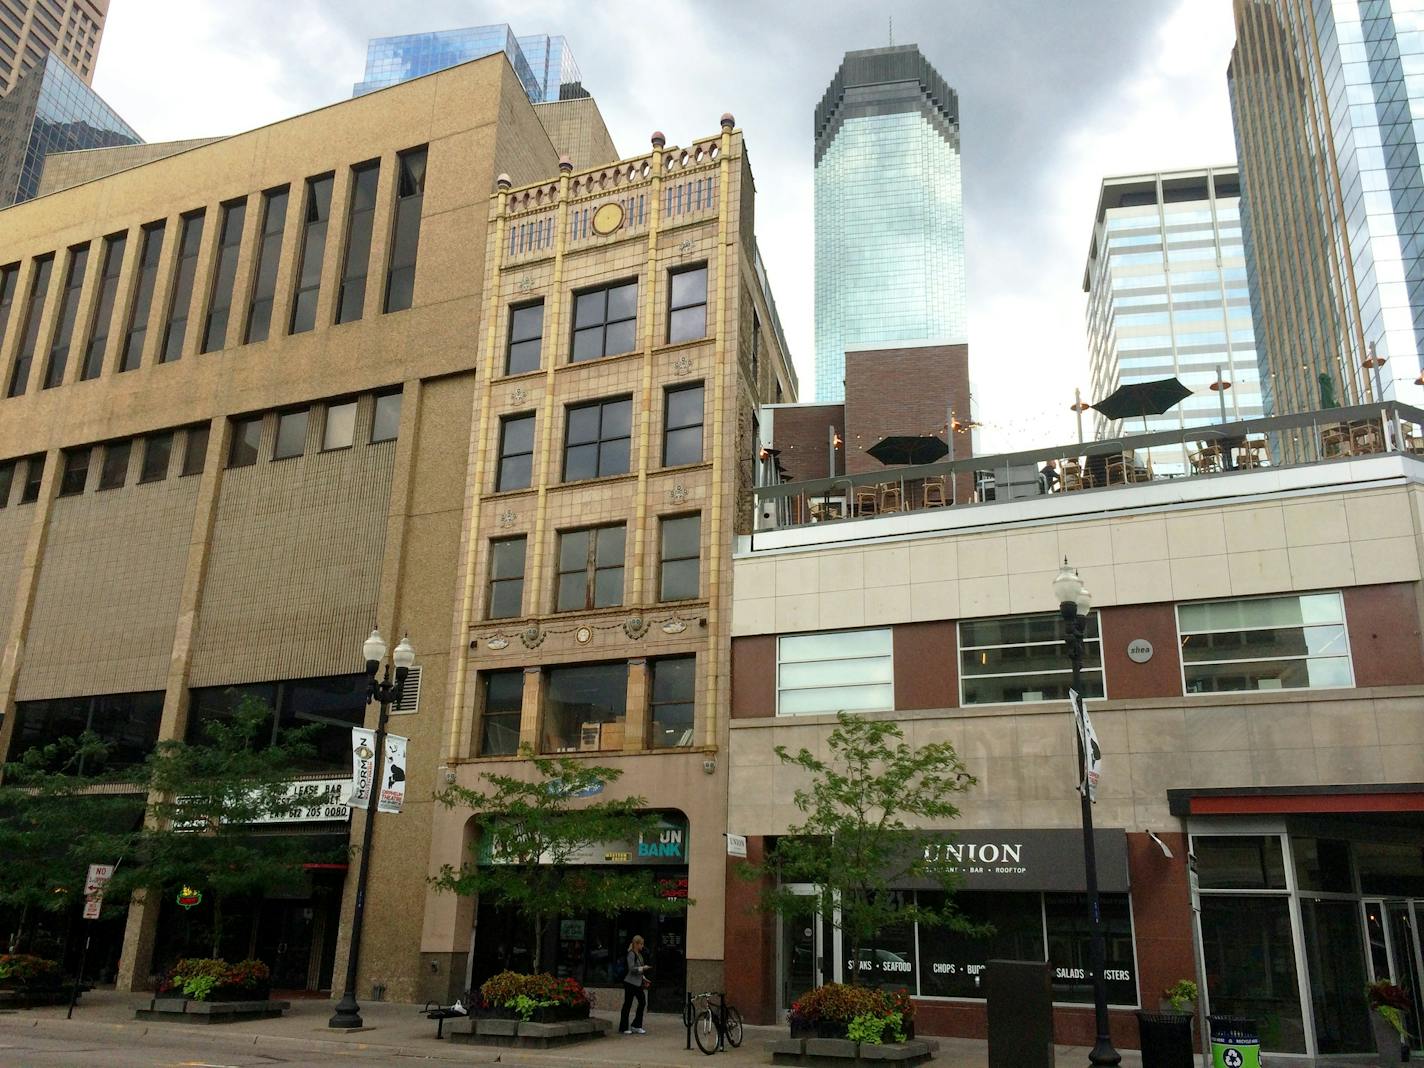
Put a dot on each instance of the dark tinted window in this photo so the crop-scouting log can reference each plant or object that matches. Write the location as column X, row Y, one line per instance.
column 220, row 307
column 605, row 322
column 687, row 305
column 269, row 254
column 291, row 434
column 316, row 218
column 7, row 480
column 1239, row 862
column 682, row 426
column 68, row 312
column 506, row 578
column 157, row 449
column 681, row 548
column 590, row 568
column 246, row 436
column 597, row 439
column 75, row 473
column 584, row 707
column 34, row 311
column 9, row 279
column 34, row 479
column 385, row 424
column 674, row 692
column 195, row 450
column 328, row 707
column 190, row 241
column 143, row 296
column 526, row 338
column 405, row 235
column 127, row 723
column 499, row 725
column 115, row 471
column 352, row 299
column 98, row 345
column 516, row 452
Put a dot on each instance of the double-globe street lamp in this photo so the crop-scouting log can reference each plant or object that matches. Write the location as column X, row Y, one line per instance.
column 387, row 692
column 1074, row 602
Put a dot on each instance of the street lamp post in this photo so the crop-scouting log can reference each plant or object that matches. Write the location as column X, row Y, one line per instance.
column 1073, row 604
column 387, row 692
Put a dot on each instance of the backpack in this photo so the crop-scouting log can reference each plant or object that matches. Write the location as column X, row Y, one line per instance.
column 620, row 968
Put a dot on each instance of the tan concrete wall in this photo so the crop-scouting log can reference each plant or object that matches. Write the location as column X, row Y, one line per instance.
column 65, row 169
column 577, row 130
column 14, row 530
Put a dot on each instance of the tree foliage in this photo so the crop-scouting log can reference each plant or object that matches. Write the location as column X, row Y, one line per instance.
column 536, row 829
column 861, row 838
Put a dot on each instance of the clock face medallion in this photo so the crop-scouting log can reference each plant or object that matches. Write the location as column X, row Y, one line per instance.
column 608, row 218
column 583, row 635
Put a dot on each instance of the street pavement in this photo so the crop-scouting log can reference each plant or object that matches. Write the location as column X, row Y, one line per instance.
column 104, row 1034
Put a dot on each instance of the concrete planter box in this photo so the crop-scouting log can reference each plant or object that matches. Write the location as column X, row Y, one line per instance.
column 516, row 1034
column 181, row 1010
column 843, row 1053
column 29, row 997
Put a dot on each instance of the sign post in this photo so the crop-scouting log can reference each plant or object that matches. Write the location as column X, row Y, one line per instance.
column 95, row 880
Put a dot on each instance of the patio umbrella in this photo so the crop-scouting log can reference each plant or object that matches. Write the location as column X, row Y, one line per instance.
column 905, row 449
column 1144, row 399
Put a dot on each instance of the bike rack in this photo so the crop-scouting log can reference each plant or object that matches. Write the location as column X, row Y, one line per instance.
column 689, row 1018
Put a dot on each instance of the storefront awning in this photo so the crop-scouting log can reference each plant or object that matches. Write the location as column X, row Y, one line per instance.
column 1298, row 800
column 1047, row 860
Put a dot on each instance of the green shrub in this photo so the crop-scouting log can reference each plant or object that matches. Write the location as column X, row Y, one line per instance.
column 23, row 968
column 197, row 977
column 541, row 990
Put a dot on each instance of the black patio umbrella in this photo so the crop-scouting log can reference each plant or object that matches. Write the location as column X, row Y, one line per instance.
column 1144, row 399
column 908, row 449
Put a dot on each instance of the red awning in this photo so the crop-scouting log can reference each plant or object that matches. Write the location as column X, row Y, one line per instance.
column 1298, row 800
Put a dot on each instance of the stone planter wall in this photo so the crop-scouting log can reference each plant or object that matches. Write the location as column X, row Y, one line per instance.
column 516, row 1034
column 182, row 1010
column 843, row 1053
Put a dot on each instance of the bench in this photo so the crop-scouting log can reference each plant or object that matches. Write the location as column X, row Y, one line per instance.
column 433, row 1010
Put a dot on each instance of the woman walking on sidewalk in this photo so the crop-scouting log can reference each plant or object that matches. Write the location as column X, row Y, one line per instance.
column 634, row 988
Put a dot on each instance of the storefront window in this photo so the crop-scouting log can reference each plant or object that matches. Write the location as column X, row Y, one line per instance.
column 1250, row 965
column 1239, row 862
column 1335, row 960
column 952, row 963
column 1020, row 659
column 888, row 959
column 1070, row 949
column 585, row 707
column 1265, row 643
column 1323, row 864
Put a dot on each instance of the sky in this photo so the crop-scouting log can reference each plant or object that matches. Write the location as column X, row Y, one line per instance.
column 1053, row 97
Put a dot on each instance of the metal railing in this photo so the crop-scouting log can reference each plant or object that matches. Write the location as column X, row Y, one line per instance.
column 1219, row 450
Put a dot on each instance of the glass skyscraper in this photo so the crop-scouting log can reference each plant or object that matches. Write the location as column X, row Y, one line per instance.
column 1328, row 102
column 889, row 211
column 51, row 110
column 1167, row 296
column 545, row 64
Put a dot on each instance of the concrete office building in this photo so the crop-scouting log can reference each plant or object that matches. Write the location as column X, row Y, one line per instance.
column 1327, row 101
column 889, row 211
column 29, row 29
column 1254, row 665
column 1167, row 297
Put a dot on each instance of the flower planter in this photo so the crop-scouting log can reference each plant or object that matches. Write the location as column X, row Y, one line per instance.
column 543, row 1014
column 1388, row 1046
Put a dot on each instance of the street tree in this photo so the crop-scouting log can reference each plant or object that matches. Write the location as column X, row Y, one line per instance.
column 862, row 838
column 534, row 831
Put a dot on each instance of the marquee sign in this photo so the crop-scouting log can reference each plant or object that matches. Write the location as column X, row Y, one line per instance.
column 1050, row 860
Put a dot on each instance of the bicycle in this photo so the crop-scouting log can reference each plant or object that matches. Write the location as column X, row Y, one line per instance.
column 714, row 1024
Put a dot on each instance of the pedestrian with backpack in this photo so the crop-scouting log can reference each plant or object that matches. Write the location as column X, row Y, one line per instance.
column 635, row 986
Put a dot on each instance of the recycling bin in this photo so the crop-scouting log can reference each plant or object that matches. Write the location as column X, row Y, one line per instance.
column 1235, row 1042
column 1166, row 1039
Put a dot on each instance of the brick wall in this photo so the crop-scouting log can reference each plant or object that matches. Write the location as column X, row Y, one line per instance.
column 801, row 434
column 903, row 391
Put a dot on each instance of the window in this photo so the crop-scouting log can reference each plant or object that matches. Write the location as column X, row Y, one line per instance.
column 157, row 448
column 590, row 568
column 246, row 436
column 195, row 450
column 34, row 311
column 7, row 479
column 687, row 305
column 585, row 707
column 317, row 213
column 352, row 298
column 526, row 338
column 75, row 473
column 340, row 429
column 1265, row 643
column 605, row 321
column 835, row 671
column 405, row 237
column 682, row 426
column 220, row 307
column 143, row 296
column 386, row 422
column 1020, row 659
column 68, row 312
column 291, row 434
column 516, row 452
column 34, row 479
column 330, row 705
column 597, row 439
column 188, row 243
column 104, row 312
column 681, row 548
column 9, row 279
column 1066, row 919
column 115, row 471
column 504, row 703
column 952, row 963
column 1239, row 862
column 506, row 578
column 269, row 254
column 674, row 686
column 127, row 723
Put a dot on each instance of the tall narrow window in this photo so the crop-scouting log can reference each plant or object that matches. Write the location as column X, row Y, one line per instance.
column 405, row 240
column 385, row 421
column 269, row 253
column 75, row 472
column 143, row 296
column 98, row 345
column 316, row 216
column 591, row 568
column 9, row 279
column 597, row 439
column 34, row 310
column 681, row 548
column 189, row 240
column 195, row 450
column 687, row 305
column 352, row 299
column 291, row 434
column 506, row 578
column 499, row 723
column 220, row 306
column 674, row 690
column 68, row 312
column 157, row 449
column 516, row 452
column 682, row 426
column 246, row 436
column 7, row 480
column 526, row 338
column 115, row 471
column 340, row 429
column 34, row 479
column 605, row 322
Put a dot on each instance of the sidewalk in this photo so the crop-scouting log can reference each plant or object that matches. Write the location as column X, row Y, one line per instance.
column 398, row 1030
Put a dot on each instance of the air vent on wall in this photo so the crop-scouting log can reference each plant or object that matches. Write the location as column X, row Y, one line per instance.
column 410, row 693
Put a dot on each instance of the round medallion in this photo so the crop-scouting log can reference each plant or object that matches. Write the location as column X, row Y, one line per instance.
column 583, row 635
column 1139, row 650
column 608, row 218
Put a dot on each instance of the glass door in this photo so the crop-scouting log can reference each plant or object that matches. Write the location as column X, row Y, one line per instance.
column 802, row 955
column 1335, row 958
column 1407, row 959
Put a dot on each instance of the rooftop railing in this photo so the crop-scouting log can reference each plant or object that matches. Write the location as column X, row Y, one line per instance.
column 1221, row 450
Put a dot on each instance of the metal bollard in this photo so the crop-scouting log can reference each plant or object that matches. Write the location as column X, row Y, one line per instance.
column 687, row 1018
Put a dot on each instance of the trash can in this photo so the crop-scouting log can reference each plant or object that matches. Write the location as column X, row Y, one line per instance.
column 1166, row 1039
column 1235, row 1042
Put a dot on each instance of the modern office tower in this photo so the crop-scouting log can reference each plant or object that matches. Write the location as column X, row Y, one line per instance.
column 545, row 64
column 1166, row 285
column 29, row 29
column 889, row 211
column 1328, row 104
column 51, row 110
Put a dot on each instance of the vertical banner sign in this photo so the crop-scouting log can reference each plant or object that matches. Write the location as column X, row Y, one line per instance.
column 94, row 883
column 393, row 788
column 1088, row 739
column 363, row 766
